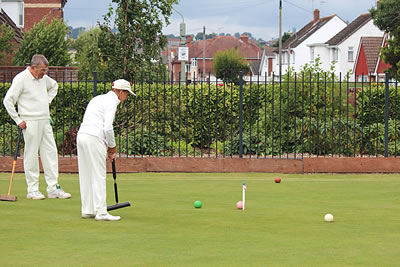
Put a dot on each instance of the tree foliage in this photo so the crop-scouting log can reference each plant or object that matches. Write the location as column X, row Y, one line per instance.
column 6, row 36
column 47, row 39
column 228, row 64
column 88, row 55
column 285, row 37
column 387, row 18
column 138, row 41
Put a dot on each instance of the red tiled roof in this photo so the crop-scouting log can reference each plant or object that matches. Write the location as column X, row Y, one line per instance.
column 220, row 43
column 372, row 47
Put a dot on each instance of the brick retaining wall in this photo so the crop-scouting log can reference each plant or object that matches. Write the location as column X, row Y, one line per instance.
column 306, row 165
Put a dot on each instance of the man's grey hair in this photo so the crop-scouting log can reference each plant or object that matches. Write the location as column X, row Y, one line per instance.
column 37, row 59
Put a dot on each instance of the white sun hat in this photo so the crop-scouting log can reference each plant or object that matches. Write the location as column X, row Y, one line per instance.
column 122, row 84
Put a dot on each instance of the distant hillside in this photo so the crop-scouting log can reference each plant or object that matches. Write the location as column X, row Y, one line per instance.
column 75, row 31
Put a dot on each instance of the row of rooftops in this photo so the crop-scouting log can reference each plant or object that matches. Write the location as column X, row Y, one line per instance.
column 251, row 50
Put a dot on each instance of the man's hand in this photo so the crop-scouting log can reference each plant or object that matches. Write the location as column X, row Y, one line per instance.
column 22, row 125
column 111, row 152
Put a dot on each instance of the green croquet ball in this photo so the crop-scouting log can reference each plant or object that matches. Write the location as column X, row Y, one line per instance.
column 197, row 204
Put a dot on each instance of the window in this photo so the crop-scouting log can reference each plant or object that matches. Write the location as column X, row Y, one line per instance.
column 350, row 54
column 293, row 62
column 187, row 67
column 312, row 54
column 335, row 54
column 21, row 14
column 194, row 62
column 284, row 58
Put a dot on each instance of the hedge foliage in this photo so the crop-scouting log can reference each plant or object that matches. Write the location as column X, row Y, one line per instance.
column 304, row 114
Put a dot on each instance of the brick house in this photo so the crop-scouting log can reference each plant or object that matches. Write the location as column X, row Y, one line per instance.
column 21, row 15
column 194, row 67
column 35, row 10
column 25, row 13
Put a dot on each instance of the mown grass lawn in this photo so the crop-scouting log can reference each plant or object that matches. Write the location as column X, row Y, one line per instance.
column 282, row 225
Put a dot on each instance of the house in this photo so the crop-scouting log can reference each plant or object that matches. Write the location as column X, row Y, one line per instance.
column 267, row 58
column 170, row 52
column 196, row 69
column 25, row 13
column 308, row 43
column 35, row 10
column 15, row 10
column 342, row 48
column 369, row 66
column 5, row 19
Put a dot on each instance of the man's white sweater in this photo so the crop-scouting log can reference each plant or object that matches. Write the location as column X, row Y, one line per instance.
column 33, row 97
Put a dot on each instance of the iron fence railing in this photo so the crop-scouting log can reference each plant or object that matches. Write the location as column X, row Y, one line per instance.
column 301, row 115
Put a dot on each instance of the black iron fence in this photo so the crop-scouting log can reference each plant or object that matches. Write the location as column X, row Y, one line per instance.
column 301, row 115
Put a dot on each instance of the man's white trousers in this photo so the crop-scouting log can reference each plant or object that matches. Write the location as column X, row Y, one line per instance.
column 92, row 156
column 38, row 137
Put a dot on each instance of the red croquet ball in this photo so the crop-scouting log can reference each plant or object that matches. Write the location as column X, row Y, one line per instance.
column 277, row 180
column 239, row 205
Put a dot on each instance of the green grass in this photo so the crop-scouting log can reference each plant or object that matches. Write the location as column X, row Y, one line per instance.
column 281, row 226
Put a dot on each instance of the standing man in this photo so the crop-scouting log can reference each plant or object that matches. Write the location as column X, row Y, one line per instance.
column 95, row 143
column 32, row 90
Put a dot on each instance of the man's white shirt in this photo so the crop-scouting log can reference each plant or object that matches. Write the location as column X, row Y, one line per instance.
column 99, row 117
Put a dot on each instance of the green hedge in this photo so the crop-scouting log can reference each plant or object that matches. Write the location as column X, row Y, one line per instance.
column 300, row 115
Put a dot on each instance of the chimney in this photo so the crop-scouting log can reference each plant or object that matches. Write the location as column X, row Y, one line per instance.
column 316, row 15
column 244, row 38
column 189, row 40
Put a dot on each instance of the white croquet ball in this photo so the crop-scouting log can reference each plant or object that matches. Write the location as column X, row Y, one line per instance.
column 328, row 217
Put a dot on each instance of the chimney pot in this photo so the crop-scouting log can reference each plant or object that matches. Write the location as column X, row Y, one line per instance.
column 244, row 38
column 316, row 15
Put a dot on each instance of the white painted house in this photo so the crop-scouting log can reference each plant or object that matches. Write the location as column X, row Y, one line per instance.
column 343, row 47
column 15, row 10
column 308, row 43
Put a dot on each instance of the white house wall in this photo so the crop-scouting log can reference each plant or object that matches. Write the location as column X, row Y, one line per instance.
column 343, row 65
column 302, row 51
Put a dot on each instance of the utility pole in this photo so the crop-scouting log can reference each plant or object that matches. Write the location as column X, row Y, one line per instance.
column 183, row 44
column 182, row 33
column 204, row 53
column 280, row 39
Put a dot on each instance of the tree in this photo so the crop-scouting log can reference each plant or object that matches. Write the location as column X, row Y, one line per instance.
column 285, row 37
column 6, row 36
column 211, row 35
column 199, row 36
column 47, row 39
column 228, row 64
column 76, row 31
column 138, row 41
column 88, row 55
column 387, row 18
column 248, row 34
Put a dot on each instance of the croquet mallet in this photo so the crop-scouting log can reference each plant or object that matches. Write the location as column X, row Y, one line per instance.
column 117, row 205
column 9, row 197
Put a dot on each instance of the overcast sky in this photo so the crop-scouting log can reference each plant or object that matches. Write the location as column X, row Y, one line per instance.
column 259, row 17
